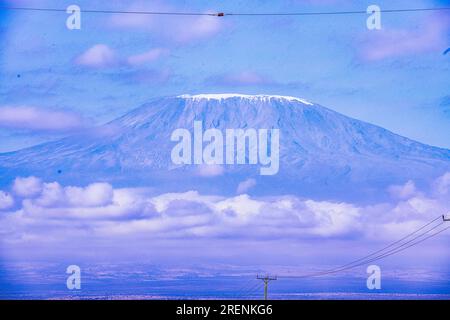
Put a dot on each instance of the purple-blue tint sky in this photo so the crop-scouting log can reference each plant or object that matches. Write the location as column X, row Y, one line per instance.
column 397, row 78
column 55, row 82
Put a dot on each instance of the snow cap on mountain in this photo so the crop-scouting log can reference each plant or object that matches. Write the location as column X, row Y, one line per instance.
column 221, row 96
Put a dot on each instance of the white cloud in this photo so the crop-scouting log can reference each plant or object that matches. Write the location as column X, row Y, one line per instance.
column 240, row 208
column 27, row 187
column 32, row 118
column 98, row 201
column 106, row 212
column 161, row 202
column 94, row 195
column 6, row 200
column 98, row 56
column 403, row 191
column 199, row 28
column 146, row 57
column 334, row 218
column 442, row 184
column 430, row 35
column 101, row 56
column 245, row 185
column 52, row 195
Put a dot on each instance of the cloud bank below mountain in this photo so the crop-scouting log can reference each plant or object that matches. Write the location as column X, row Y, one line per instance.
column 42, row 211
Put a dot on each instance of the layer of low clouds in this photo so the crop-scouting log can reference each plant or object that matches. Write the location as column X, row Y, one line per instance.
column 39, row 119
column 27, row 187
column 6, row 200
column 32, row 208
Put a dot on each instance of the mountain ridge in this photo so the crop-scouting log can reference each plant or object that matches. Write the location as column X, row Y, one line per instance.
column 320, row 149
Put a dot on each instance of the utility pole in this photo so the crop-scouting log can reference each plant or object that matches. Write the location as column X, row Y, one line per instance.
column 266, row 280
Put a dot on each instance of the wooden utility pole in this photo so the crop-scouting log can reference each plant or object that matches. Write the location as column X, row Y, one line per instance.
column 266, row 280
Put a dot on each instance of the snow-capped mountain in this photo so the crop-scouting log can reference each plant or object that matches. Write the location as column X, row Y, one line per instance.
column 322, row 152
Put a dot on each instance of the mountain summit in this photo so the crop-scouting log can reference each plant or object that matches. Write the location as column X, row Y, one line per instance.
column 322, row 152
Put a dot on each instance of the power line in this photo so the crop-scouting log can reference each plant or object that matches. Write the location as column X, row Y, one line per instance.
column 354, row 264
column 386, row 254
column 112, row 11
column 336, row 12
column 403, row 249
column 254, row 290
column 244, row 287
column 396, row 249
column 390, row 245
column 222, row 14
column 250, row 291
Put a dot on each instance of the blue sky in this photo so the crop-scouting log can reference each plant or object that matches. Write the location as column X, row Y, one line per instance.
column 396, row 78
column 55, row 82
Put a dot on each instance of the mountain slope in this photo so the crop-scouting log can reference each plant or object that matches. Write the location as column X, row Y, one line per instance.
column 321, row 151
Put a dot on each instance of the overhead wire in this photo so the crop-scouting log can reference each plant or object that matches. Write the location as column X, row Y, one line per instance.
column 222, row 14
column 374, row 257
